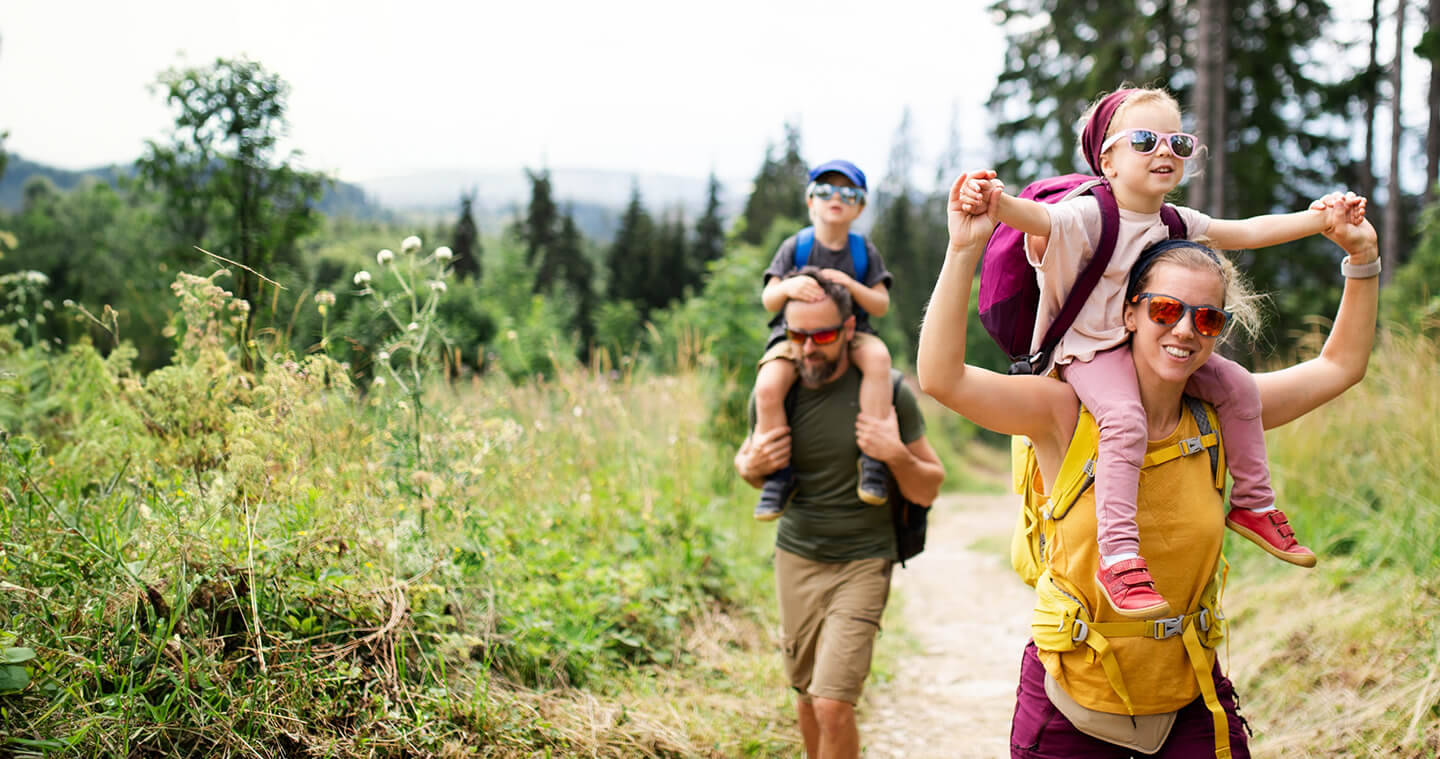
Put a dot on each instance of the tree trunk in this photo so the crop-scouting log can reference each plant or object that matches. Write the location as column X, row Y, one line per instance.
column 1395, row 201
column 1372, row 97
column 1219, row 108
column 1432, row 136
column 1203, row 103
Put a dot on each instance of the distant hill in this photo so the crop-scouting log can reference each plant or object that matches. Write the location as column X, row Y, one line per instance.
column 340, row 198
column 597, row 197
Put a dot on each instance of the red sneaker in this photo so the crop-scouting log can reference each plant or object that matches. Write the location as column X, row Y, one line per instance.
column 1270, row 530
column 1128, row 587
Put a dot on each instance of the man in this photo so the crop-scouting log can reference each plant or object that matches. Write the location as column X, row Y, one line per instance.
column 833, row 552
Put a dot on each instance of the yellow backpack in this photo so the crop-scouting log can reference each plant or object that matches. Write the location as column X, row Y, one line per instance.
column 1062, row 624
column 1076, row 475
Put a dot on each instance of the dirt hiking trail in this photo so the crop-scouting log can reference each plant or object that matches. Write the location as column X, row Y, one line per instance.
column 953, row 695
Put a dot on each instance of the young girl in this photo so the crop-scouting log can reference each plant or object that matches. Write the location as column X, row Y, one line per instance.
column 1132, row 138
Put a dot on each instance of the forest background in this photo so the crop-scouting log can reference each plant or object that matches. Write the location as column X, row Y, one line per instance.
column 471, row 489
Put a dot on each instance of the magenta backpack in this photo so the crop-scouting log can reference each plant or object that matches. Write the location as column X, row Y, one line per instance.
column 1009, row 291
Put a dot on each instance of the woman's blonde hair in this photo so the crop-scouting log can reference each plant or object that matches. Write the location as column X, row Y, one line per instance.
column 1241, row 301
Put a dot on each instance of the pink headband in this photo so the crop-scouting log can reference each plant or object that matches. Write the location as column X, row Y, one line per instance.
column 1094, row 134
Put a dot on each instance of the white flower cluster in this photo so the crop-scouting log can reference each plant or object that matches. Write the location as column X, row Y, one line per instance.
column 385, row 256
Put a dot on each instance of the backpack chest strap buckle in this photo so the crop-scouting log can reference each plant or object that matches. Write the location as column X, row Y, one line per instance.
column 1168, row 627
column 1191, row 445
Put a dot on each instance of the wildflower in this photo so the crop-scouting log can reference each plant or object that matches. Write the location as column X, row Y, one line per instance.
column 412, row 327
column 379, row 382
column 383, row 355
column 67, row 303
column 325, row 298
column 578, row 412
column 385, row 256
column 443, row 253
column 410, row 244
column 510, row 335
column 37, row 278
column 47, row 304
column 437, row 285
column 362, row 277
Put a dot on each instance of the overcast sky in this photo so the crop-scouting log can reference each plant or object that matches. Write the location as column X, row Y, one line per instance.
column 388, row 88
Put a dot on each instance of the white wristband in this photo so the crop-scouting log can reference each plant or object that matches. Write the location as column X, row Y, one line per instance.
column 1360, row 271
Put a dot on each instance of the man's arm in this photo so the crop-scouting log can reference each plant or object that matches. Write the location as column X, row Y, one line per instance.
column 761, row 455
column 916, row 467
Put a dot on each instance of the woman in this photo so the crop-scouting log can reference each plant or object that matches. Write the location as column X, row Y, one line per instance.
column 1071, row 692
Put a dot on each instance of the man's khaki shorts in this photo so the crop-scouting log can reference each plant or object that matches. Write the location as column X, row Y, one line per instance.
column 787, row 349
column 829, row 614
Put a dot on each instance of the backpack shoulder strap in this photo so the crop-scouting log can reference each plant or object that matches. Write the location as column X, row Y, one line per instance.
column 1173, row 222
column 859, row 256
column 1090, row 276
column 804, row 241
column 859, row 252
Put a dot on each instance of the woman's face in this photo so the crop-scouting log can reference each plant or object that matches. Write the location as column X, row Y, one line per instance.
column 1173, row 353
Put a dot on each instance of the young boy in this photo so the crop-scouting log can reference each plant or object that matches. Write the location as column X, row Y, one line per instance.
column 835, row 197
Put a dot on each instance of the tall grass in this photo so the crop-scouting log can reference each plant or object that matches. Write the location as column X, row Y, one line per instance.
column 207, row 562
column 1344, row 660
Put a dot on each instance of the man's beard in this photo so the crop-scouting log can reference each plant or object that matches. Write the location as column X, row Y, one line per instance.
column 816, row 373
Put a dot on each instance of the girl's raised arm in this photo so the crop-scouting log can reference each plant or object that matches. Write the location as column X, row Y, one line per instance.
column 1015, row 405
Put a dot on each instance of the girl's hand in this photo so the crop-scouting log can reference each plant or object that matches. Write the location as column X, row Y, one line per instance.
column 803, row 289
column 975, row 195
column 968, row 227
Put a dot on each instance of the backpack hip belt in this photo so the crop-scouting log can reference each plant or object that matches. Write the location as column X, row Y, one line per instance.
column 1060, row 623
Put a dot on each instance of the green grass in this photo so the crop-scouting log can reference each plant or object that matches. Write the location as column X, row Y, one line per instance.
column 209, row 563
column 1344, row 660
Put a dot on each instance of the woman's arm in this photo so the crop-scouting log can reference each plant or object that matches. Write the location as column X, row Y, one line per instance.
column 1295, row 391
column 1017, row 405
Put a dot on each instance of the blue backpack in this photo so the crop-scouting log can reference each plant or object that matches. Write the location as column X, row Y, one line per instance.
column 859, row 256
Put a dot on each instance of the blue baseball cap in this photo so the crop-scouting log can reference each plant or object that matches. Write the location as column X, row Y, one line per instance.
column 845, row 168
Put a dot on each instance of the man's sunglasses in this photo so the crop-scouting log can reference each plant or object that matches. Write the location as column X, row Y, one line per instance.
column 1166, row 311
column 820, row 336
column 848, row 195
column 1145, row 141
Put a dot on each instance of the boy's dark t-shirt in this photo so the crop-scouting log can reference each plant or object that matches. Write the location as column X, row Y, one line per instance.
column 826, row 258
column 827, row 521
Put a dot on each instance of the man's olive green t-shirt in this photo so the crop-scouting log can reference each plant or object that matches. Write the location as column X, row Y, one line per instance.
column 826, row 520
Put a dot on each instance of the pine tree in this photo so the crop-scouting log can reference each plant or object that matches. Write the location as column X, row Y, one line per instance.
column 629, row 257
column 465, row 240
column 671, row 267
column 709, row 242
column 779, row 190
column 538, row 229
column 578, row 274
